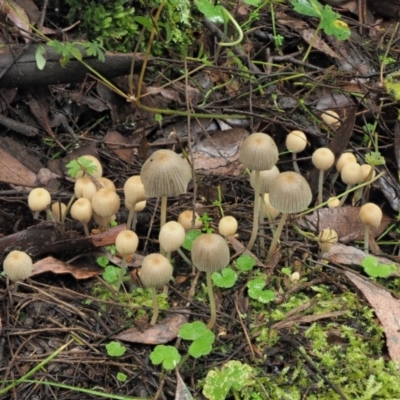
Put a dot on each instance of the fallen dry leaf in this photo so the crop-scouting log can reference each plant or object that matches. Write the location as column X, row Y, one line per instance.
column 165, row 331
column 386, row 308
column 18, row 17
column 182, row 392
column 114, row 140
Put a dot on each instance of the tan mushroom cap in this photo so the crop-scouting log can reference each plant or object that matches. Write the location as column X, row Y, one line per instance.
column 156, row 271
column 366, row 171
column 185, row 219
column 171, row 236
column 290, row 193
column 344, row 159
column 82, row 210
column 126, row 242
column 58, row 210
column 296, row 141
column 326, row 239
column 267, row 209
column 134, row 190
column 323, row 158
column 331, row 118
column 333, row 202
column 107, row 183
column 227, row 226
column 351, row 174
column 266, row 177
column 95, row 162
column 17, row 265
column 85, row 187
column 258, row 152
column 39, row 199
column 165, row 174
column 105, row 202
column 371, row 214
column 210, row 252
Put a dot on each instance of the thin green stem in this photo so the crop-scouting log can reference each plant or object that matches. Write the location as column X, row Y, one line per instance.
column 182, row 254
column 277, row 235
column 237, row 27
column 312, row 41
column 213, row 310
column 155, row 306
column 256, row 210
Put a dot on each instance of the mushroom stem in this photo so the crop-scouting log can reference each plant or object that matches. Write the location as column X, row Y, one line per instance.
column 182, row 254
column 155, row 306
column 85, row 228
column 262, row 240
column 346, row 193
column 366, row 238
column 122, row 271
column 213, row 310
column 277, row 234
column 320, row 183
column 131, row 217
column 295, row 165
column 256, row 210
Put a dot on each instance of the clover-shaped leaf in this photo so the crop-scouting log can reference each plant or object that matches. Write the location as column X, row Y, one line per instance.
column 257, row 292
column 167, row 355
column 224, row 279
column 201, row 336
column 115, row 349
column 376, row 270
column 245, row 262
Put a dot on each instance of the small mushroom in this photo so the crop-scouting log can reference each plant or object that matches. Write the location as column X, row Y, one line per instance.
column 333, row 202
column 134, row 193
column 171, row 237
column 210, row 253
column 296, row 142
column 58, row 210
column 323, row 159
column 82, row 211
column 106, row 183
column 371, row 216
column 85, row 187
column 38, row 200
column 344, row 159
column 351, row 175
column 290, row 193
column 17, row 265
column 105, row 202
column 257, row 153
column 126, row 244
column 185, row 218
column 326, row 239
column 331, row 118
column 227, row 226
column 156, row 271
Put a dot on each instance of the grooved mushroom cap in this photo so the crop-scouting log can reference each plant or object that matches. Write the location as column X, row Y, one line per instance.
column 323, row 158
column 17, row 265
column 95, row 162
column 267, row 208
column 326, row 239
column 85, row 187
column 165, row 174
column 106, row 183
column 82, row 210
column 58, row 210
column 331, row 118
column 290, row 193
column 371, row 214
column 266, row 177
column 134, row 190
column 210, row 252
column 39, row 199
column 344, row 159
column 296, row 141
column 351, row 174
column 366, row 171
column 185, row 219
column 258, row 152
column 172, row 235
column 105, row 202
column 156, row 271
column 126, row 242
column 227, row 226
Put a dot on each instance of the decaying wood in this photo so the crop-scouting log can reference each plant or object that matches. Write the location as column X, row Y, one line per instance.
column 21, row 70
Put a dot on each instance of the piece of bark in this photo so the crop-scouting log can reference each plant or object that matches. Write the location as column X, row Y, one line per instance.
column 24, row 71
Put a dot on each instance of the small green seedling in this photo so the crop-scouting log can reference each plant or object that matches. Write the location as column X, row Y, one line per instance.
column 233, row 376
column 121, row 377
column 224, row 279
column 201, row 336
column 245, row 263
column 115, row 349
column 257, row 292
column 218, row 202
column 81, row 164
column 286, row 271
column 189, row 239
column 206, row 219
column 376, row 270
column 111, row 273
column 168, row 356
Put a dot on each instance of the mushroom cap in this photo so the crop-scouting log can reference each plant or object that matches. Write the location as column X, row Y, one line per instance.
column 140, row 206
column 267, row 208
column 323, row 158
column 326, row 239
column 82, row 210
column 258, row 152
column 296, row 141
column 210, row 252
column 351, row 174
column 85, row 187
column 333, row 202
column 165, row 174
column 156, row 271
column 171, row 236
column 227, row 226
column 39, row 199
column 17, row 265
column 95, row 162
column 344, row 159
column 103, row 221
column 58, row 210
column 185, row 219
column 366, row 170
column 331, row 118
column 126, row 242
column 105, row 202
column 134, row 190
column 107, row 183
column 290, row 193
column 371, row 214
column 266, row 177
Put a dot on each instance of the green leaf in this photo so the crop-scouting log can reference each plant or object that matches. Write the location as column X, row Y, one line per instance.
column 189, row 239
column 192, row 331
column 254, row 3
column 111, row 274
column 39, row 57
column 286, row 271
column 201, row 336
column 245, row 262
column 256, row 291
column 312, row 8
column 376, row 270
column 332, row 25
column 81, row 164
column 224, row 279
column 167, row 355
column 102, row 261
column 122, row 377
column 146, row 22
column 212, row 12
column 115, row 349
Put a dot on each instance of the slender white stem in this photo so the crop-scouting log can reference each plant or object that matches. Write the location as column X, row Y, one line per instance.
column 277, row 234
column 256, row 210
column 366, row 238
column 295, row 165
column 320, row 184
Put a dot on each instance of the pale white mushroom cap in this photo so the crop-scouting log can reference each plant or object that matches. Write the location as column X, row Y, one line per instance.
column 126, row 242
column 156, row 271
column 267, row 208
column 134, row 190
column 326, row 239
column 17, row 265
column 344, row 159
column 351, row 174
column 82, row 210
column 171, row 236
column 371, row 214
column 58, row 210
column 331, row 118
column 333, row 202
column 296, row 141
column 323, row 158
column 185, row 219
column 105, row 202
column 227, row 226
column 39, row 199
column 85, row 187
column 107, row 183
column 266, row 177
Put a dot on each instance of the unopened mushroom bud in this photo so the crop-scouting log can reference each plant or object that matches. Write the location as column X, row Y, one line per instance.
column 185, row 218
column 331, row 118
column 227, row 226
column 295, row 277
column 134, row 194
column 351, row 175
column 58, row 210
column 85, row 187
column 126, row 244
column 171, row 237
column 323, row 159
column 296, row 142
column 17, row 265
column 326, row 239
column 106, row 183
column 333, row 202
column 38, row 200
column 105, row 202
column 371, row 215
column 82, row 211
